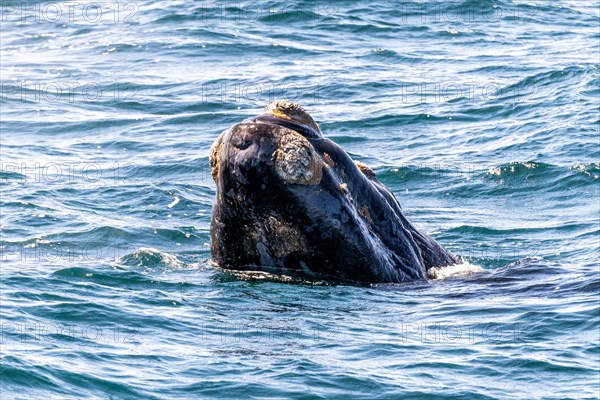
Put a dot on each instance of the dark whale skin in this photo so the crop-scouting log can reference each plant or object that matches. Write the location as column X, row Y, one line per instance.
column 348, row 226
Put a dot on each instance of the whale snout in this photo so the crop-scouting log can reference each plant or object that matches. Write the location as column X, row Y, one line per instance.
column 256, row 152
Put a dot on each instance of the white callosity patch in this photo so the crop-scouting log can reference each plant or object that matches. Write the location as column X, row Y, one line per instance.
column 292, row 111
column 365, row 169
column 215, row 156
column 295, row 160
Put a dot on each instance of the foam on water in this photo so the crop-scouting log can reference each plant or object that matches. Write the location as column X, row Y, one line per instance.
column 453, row 271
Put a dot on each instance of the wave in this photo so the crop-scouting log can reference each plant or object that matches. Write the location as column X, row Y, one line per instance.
column 150, row 259
column 488, row 179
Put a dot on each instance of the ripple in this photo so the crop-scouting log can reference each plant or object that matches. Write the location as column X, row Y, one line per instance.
column 106, row 284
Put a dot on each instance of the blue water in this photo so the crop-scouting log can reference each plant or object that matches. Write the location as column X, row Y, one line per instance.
column 481, row 116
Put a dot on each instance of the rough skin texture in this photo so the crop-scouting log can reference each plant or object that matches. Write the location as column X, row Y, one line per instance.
column 296, row 162
column 292, row 111
column 289, row 199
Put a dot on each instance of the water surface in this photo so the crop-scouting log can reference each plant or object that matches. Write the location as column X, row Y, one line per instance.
column 481, row 116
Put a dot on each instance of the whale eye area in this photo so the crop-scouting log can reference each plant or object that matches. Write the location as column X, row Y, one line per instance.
column 295, row 160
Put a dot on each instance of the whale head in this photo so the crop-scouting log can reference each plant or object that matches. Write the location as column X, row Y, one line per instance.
column 289, row 199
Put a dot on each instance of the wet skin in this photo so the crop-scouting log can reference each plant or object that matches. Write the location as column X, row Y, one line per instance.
column 290, row 199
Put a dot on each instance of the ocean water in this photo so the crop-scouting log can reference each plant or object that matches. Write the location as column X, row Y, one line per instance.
column 481, row 116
